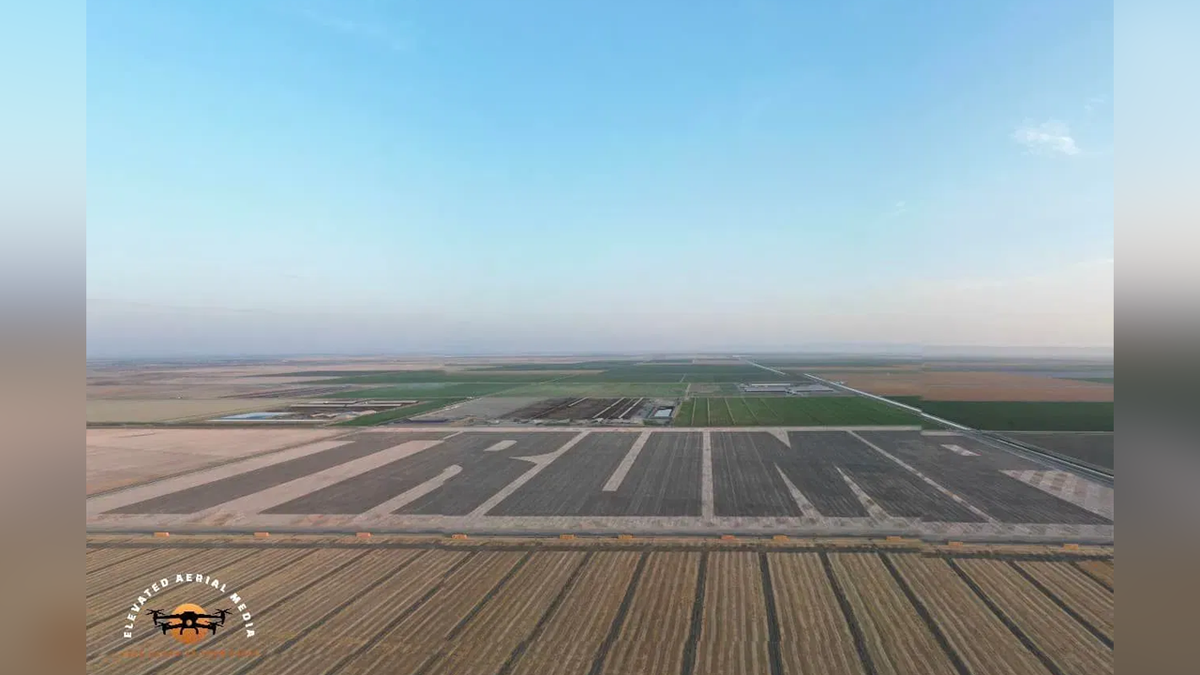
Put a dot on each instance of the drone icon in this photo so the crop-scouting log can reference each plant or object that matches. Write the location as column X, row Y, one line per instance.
column 188, row 620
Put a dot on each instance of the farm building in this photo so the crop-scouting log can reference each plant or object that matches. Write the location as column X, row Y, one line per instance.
column 802, row 389
column 765, row 388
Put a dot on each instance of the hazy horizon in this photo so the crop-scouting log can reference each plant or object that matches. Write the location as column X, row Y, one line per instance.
column 364, row 177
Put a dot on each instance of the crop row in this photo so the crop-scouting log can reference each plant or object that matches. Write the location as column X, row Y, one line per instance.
column 354, row 611
column 790, row 411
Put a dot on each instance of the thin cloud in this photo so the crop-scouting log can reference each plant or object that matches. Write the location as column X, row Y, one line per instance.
column 1047, row 138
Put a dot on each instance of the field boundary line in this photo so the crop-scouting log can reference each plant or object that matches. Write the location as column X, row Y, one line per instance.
column 618, row 475
column 1096, row 632
column 320, row 621
column 1004, row 618
column 618, row 622
column 926, row 616
column 540, row 463
column 932, row 483
column 775, row 657
column 519, row 651
column 402, row 616
column 856, row 632
column 692, row 642
column 707, row 508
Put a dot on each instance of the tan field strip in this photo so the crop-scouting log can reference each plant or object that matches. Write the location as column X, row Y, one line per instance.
column 499, row 628
column 294, row 617
column 403, row 649
column 350, row 631
column 1100, row 570
column 1084, row 596
column 734, row 634
column 652, row 637
column 103, row 558
column 338, row 605
column 143, row 570
column 814, row 635
column 577, row 629
column 897, row 639
column 977, row 636
column 1061, row 639
column 105, row 632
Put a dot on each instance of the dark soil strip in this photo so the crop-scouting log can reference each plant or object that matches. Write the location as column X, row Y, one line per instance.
column 538, row 629
column 773, row 637
column 1095, row 578
column 282, row 600
column 1012, row 627
column 860, row 641
column 1063, row 606
column 923, row 611
column 689, row 647
column 400, row 618
column 614, row 630
column 327, row 616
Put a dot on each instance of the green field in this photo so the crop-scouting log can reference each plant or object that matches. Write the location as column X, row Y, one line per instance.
column 405, row 376
column 428, row 390
column 683, row 372
column 1024, row 415
column 572, row 387
column 790, row 411
column 528, row 367
column 398, row 414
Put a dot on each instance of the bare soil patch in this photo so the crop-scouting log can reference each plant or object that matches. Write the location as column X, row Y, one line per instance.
column 139, row 411
column 118, row 457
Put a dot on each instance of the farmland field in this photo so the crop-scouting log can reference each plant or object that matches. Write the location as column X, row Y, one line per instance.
column 1024, row 415
column 426, row 390
column 685, row 373
column 398, row 414
column 576, row 389
column 336, row 605
column 1097, row 448
column 792, row 411
column 404, row 376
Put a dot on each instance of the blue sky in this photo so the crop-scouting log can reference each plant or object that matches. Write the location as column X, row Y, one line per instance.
column 390, row 176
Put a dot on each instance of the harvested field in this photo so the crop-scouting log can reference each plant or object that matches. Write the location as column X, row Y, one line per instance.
column 486, row 408
column 118, row 457
column 582, row 409
column 426, row 390
column 1097, row 448
column 1025, row 415
column 573, row 389
column 1055, row 635
column 137, row 411
column 970, row 386
column 803, row 481
column 791, row 411
column 337, row 606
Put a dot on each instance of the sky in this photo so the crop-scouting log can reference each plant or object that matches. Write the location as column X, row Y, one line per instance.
column 364, row 176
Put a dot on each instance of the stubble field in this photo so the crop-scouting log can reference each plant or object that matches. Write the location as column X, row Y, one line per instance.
column 339, row 607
